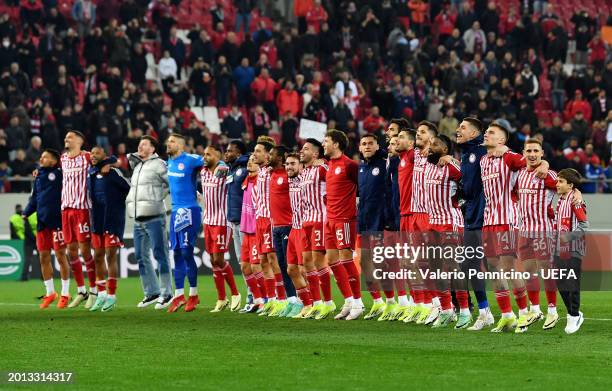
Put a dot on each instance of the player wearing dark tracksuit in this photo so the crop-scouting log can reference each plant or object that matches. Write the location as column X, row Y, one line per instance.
column 472, row 193
column 108, row 191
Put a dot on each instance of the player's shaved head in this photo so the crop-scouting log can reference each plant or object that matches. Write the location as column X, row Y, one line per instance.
column 175, row 144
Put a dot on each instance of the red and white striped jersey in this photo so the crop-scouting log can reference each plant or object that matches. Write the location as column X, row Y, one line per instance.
column 313, row 191
column 261, row 193
column 570, row 218
column 295, row 195
column 441, row 194
column 498, row 178
column 535, row 198
column 74, row 184
column 418, row 203
column 214, row 193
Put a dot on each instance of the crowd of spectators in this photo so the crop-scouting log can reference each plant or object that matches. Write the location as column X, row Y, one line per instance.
column 119, row 69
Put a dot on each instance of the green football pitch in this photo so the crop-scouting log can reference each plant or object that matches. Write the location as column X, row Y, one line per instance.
column 131, row 348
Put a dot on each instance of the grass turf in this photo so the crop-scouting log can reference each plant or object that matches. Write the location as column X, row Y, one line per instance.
column 131, row 348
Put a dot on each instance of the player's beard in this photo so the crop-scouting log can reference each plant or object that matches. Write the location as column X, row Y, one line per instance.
column 434, row 158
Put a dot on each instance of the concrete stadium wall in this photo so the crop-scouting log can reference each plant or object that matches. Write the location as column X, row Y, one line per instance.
column 599, row 209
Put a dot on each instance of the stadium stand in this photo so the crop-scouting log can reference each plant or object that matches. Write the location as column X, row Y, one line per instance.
column 116, row 70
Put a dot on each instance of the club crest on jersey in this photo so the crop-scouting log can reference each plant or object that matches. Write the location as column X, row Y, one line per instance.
column 337, row 171
column 51, row 176
column 472, row 158
column 99, row 176
column 239, row 172
column 279, row 181
column 376, row 171
column 403, row 163
column 181, row 166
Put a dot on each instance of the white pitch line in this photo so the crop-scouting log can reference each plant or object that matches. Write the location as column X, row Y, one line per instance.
column 31, row 304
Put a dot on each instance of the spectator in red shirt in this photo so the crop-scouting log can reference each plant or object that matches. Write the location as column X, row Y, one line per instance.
column 578, row 104
column 446, row 23
column 288, row 100
column 598, row 51
column 374, row 122
column 218, row 36
column 316, row 16
column 574, row 152
column 301, row 9
column 264, row 88
column 269, row 49
column 418, row 15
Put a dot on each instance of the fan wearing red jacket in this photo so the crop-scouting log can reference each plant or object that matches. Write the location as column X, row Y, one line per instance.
column 341, row 222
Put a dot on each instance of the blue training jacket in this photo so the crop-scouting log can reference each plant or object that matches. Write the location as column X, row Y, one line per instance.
column 46, row 199
column 108, row 193
column 372, row 193
column 392, row 211
column 235, row 177
column 471, row 181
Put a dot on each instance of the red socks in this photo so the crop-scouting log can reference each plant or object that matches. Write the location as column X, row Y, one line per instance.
column 280, row 287
column 417, row 295
column 251, row 281
column 550, row 286
column 261, row 284
column 112, row 285
column 219, row 283
column 389, row 294
column 533, row 290
column 503, row 301
column 314, row 285
column 77, row 271
column 304, row 295
column 228, row 275
column 462, row 299
column 446, row 300
column 90, row 265
column 353, row 277
column 520, row 295
column 101, row 285
column 342, row 279
column 325, row 281
column 270, row 287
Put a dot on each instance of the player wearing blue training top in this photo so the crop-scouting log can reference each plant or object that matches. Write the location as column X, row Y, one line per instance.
column 183, row 171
